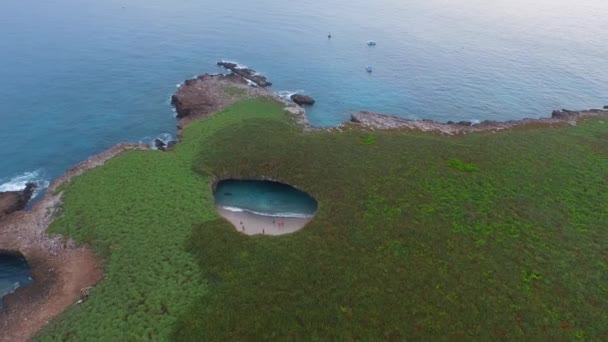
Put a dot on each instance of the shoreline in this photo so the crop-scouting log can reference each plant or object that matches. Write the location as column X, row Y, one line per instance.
column 198, row 98
column 63, row 272
column 381, row 121
column 253, row 224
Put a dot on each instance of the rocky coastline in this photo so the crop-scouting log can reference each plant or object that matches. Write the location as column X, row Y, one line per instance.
column 64, row 271
column 11, row 201
column 381, row 121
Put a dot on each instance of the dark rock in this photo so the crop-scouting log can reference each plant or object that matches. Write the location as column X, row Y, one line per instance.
column 464, row 123
column 12, row 201
column 164, row 146
column 605, row 107
column 489, row 123
column 559, row 114
column 354, row 119
column 247, row 74
column 450, row 122
column 160, row 144
column 302, row 99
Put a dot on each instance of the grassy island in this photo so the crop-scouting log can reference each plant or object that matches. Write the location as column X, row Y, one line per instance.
column 418, row 235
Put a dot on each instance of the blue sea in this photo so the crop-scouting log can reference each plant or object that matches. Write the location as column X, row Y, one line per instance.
column 78, row 76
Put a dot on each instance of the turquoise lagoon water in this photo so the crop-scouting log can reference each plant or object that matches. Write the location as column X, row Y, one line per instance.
column 264, row 198
column 77, row 76
column 14, row 272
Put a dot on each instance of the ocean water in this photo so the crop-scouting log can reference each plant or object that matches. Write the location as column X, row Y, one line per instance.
column 78, row 76
column 264, row 198
column 14, row 272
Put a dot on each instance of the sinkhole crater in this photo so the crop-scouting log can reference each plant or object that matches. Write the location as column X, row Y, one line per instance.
column 264, row 207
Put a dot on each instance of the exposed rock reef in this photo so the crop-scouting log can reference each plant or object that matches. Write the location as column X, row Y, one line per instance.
column 247, row 74
column 389, row 122
column 302, row 100
column 12, row 201
column 62, row 271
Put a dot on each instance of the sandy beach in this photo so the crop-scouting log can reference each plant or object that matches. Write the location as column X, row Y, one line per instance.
column 253, row 224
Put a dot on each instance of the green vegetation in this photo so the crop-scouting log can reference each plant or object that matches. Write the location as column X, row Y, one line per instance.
column 404, row 244
column 235, row 91
column 369, row 140
column 462, row 166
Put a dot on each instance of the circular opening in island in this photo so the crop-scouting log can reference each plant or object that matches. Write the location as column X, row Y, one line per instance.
column 14, row 273
column 264, row 207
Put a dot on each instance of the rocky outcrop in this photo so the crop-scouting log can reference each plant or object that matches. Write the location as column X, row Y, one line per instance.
column 203, row 95
column 302, row 99
column 605, row 107
column 161, row 145
column 383, row 121
column 246, row 73
column 12, row 201
column 206, row 94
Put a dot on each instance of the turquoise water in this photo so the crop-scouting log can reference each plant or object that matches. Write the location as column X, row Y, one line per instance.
column 264, row 198
column 14, row 272
column 78, row 76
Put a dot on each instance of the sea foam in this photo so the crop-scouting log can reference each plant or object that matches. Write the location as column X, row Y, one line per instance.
column 286, row 94
column 285, row 215
column 151, row 141
column 238, row 65
column 18, row 183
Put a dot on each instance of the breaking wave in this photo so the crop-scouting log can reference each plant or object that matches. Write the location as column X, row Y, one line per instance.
column 164, row 137
column 286, row 215
column 18, row 183
column 238, row 65
column 286, row 94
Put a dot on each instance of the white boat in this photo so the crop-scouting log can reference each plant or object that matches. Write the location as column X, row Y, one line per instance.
column 371, row 43
column 368, row 68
